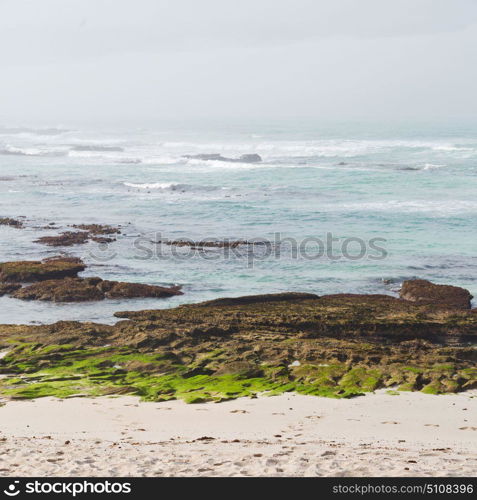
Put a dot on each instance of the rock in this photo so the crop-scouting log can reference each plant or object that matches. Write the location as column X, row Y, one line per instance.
column 425, row 292
column 6, row 288
column 47, row 269
column 90, row 289
column 93, row 232
column 7, row 221
column 97, row 229
column 336, row 345
column 246, row 158
column 250, row 158
column 63, row 290
column 258, row 299
column 209, row 244
column 118, row 289
column 66, row 239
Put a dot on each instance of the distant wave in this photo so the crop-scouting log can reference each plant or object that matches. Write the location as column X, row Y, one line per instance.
column 320, row 148
column 432, row 166
column 96, row 148
column 443, row 208
column 170, row 186
column 14, row 151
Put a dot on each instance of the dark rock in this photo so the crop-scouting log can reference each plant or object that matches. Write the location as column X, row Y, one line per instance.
column 102, row 239
column 90, row 289
column 97, row 229
column 425, row 292
column 246, row 158
column 209, row 244
column 63, row 290
column 88, row 232
column 206, row 156
column 259, row 299
column 47, row 269
column 66, row 239
column 8, row 221
column 6, row 288
column 250, row 158
column 118, row 289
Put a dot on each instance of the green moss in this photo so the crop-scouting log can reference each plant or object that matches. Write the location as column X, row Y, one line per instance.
column 433, row 387
column 361, row 379
column 35, row 370
column 407, row 386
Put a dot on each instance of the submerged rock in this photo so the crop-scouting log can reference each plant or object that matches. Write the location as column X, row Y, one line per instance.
column 66, row 239
column 425, row 292
column 210, row 243
column 33, row 270
column 246, row 158
column 93, row 232
column 8, row 221
column 97, row 229
column 90, row 289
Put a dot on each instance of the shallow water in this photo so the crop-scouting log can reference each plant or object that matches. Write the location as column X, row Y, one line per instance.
column 412, row 187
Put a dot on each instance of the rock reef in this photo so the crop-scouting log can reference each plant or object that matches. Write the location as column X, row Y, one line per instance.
column 33, row 270
column 90, row 289
column 337, row 345
column 99, row 233
column 56, row 280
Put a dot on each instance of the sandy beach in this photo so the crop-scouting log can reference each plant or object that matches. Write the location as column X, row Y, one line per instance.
column 409, row 434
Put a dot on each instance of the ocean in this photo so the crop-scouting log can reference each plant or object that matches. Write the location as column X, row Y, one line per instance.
column 336, row 208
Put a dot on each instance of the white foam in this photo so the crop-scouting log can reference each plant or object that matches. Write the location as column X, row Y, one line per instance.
column 153, row 185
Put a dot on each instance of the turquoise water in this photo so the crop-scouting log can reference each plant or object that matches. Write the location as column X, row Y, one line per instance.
column 414, row 187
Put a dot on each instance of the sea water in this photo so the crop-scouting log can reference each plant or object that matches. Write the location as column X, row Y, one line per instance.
column 408, row 190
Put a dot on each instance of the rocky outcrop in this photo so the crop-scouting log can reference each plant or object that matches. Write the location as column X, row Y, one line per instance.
column 246, row 158
column 97, row 229
column 425, row 292
column 33, row 270
column 66, row 239
column 90, row 289
column 99, row 233
column 260, row 299
column 339, row 346
column 7, row 288
column 210, row 243
column 8, row 221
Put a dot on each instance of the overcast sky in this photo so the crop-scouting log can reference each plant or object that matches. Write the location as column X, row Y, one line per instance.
column 66, row 61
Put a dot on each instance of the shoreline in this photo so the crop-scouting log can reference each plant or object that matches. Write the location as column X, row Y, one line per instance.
column 378, row 434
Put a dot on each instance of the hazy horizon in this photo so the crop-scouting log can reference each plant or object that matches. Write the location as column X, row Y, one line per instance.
column 147, row 62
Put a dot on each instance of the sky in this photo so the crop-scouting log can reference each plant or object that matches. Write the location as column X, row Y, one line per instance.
column 141, row 61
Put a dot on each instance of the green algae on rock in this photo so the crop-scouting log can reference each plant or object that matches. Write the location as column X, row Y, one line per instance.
column 51, row 268
column 336, row 346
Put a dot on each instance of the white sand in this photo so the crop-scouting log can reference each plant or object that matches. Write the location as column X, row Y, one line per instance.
column 375, row 435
